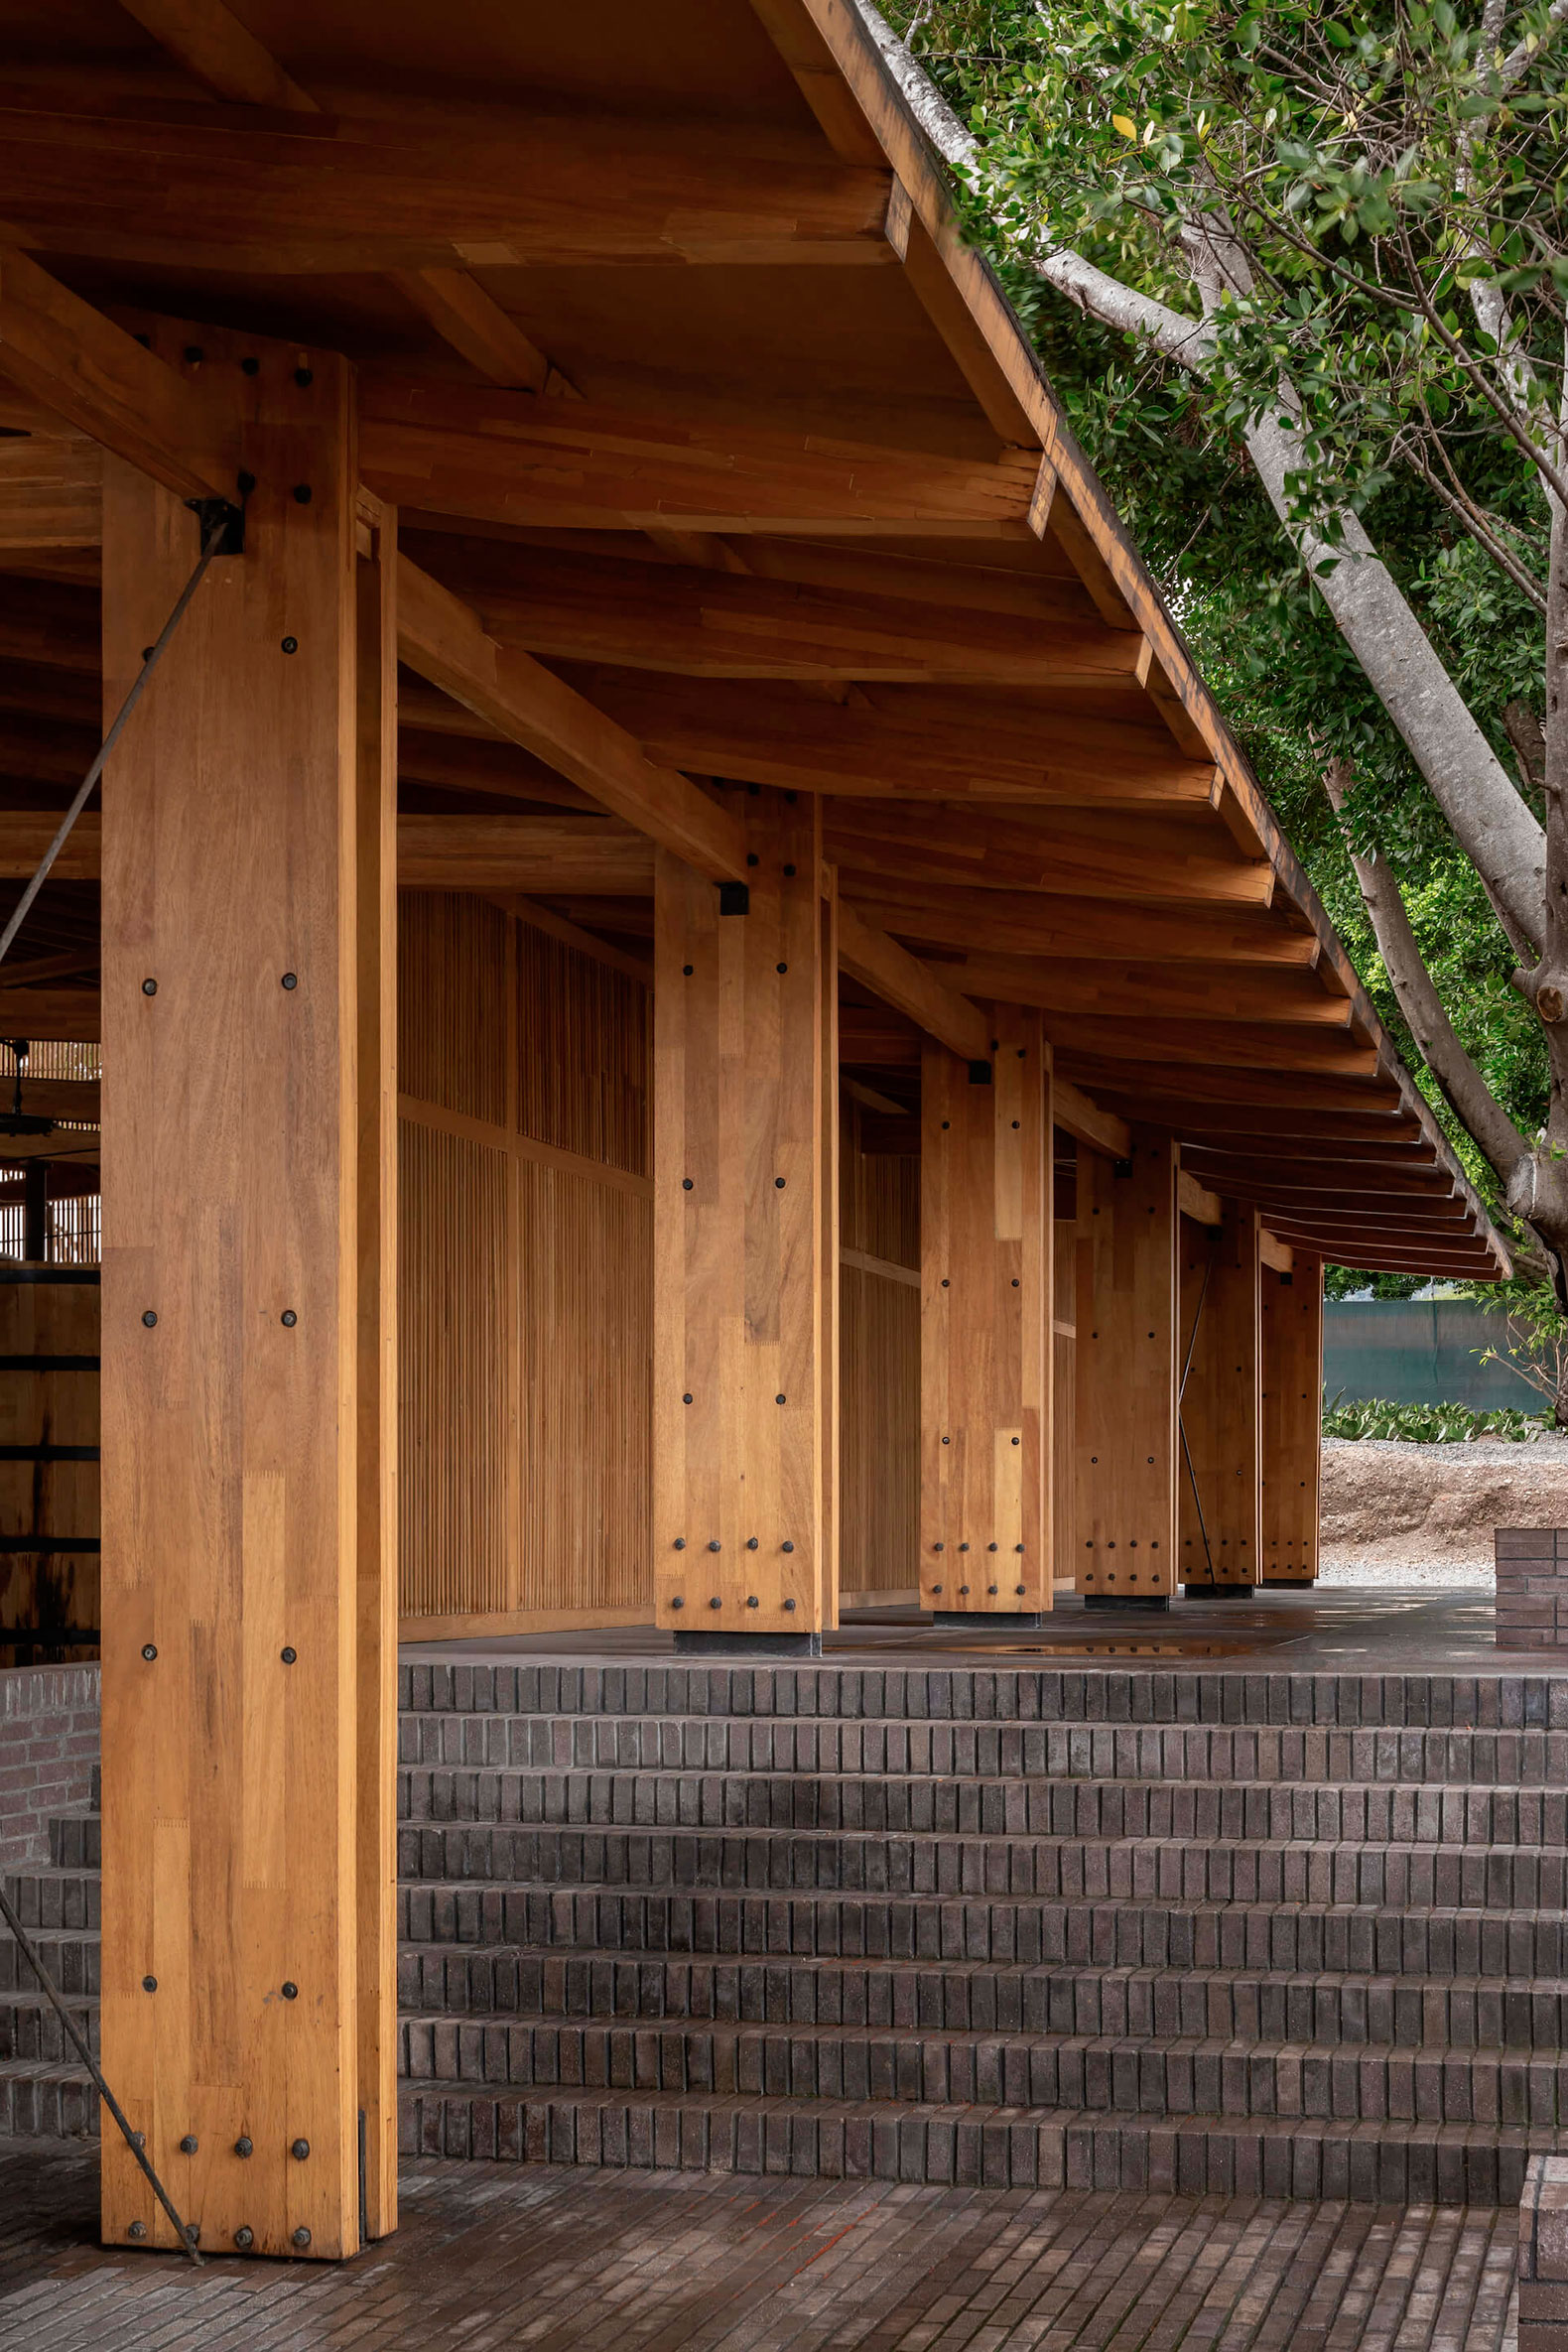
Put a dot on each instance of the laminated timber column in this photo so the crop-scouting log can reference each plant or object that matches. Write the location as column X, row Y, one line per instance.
column 246, row 978
column 1126, row 1443
column 986, row 1357
column 1292, row 1420
column 1221, row 1434
column 745, row 1243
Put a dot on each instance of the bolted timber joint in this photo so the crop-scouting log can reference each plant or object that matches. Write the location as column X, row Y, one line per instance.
column 300, row 2149
column 243, row 2146
column 302, row 2236
column 734, row 898
column 137, row 2230
column 225, row 516
column 149, row 1650
column 188, row 2145
column 244, row 2238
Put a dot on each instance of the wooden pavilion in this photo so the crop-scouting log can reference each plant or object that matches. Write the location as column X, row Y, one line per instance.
column 700, row 1018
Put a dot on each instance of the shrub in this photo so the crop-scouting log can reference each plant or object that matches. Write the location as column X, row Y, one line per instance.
column 1428, row 1424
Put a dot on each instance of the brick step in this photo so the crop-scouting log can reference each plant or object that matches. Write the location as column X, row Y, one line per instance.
column 55, row 1898
column 75, row 1841
column 1295, row 1937
column 1260, row 1812
column 1476, row 2013
column 1195, row 1752
column 31, row 2030
column 1011, row 1691
column 45, row 2100
column 71, row 1959
column 1038, row 2071
column 1197, row 2156
column 1399, row 1875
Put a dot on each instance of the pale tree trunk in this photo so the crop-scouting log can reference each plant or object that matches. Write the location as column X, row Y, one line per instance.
column 1491, row 822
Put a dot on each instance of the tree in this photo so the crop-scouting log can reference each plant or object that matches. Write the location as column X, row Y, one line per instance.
column 1328, row 244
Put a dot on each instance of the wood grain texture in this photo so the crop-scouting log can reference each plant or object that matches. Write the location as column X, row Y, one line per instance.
column 1292, row 1420
column 1064, row 1383
column 1218, row 1526
column 987, row 1287
column 740, row 1095
column 42, row 1498
column 1126, row 1369
column 231, row 1176
column 878, row 1364
column 527, row 1284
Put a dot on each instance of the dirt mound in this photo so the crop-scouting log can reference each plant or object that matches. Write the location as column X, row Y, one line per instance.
column 1385, row 1500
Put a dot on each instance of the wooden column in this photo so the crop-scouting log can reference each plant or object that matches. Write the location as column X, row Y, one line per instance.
column 1218, row 1524
column 1127, row 1372
column 986, row 1286
column 1292, row 1420
column 746, row 1258
column 242, row 984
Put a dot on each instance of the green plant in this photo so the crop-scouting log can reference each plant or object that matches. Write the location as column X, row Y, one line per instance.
column 1428, row 1424
column 1534, row 1345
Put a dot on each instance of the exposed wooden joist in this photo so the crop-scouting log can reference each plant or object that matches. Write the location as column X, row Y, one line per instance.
column 911, row 987
column 1308, row 1180
column 570, row 466
column 1275, row 1255
column 67, row 1013
column 713, row 623
column 1115, row 858
column 444, row 641
column 501, row 771
column 1041, row 924
column 102, row 379
column 317, row 194
column 1136, row 993
column 1239, row 1045
column 1180, row 1095
column 51, row 493
column 1100, row 1130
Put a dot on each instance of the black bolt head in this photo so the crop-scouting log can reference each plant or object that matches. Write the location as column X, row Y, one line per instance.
column 939, row 1548
column 680, row 1543
column 149, row 1650
column 149, row 1983
column 687, row 968
column 291, row 1992
column 713, row 1544
column 778, row 1184
column 752, row 1543
column 288, row 1318
column 300, row 2149
column 303, row 376
column 1018, row 1441
column 245, row 483
column 149, row 1318
column 291, row 980
column 301, row 493
column 244, row 2239
column 291, row 644
column 716, row 1602
column 193, row 354
column 686, row 1399
column 787, row 1547
column 137, row 2230
column 188, row 2145
column 780, row 1399
column 991, row 1588
column 993, row 1547
column 752, row 1601
column 149, row 988
column 1017, row 1587
column 676, row 1603
column 685, row 1184
column 242, row 2147
column 250, row 367
column 287, row 1656
column 783, row 968
column 789, row 874
column 788, row 1604
column 963, row 1547
column 936, row 1587
column 751, row 858
column 302, row 2236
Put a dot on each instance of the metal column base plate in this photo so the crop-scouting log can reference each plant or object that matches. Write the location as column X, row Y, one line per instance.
column 1000, row 1621
column 748, row 1646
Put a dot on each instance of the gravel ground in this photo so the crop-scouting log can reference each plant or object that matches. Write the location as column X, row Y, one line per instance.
column 1455, row 1559
column 1352, row 1567
column 1550, row 1446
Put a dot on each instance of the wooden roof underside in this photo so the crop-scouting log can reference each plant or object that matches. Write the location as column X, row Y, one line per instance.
column 720, row 463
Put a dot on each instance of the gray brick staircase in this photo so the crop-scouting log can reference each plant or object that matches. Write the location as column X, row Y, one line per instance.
column 1305, row 1935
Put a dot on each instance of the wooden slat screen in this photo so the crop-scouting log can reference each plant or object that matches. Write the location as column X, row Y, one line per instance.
column 879, row 1368
column 527, row 1287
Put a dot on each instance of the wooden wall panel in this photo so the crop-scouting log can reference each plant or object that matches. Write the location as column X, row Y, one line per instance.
column 230, row 1332
column 1064, row 1392
column 586, row 1307
column 1292, row 1420
column 1126, row 1371
column 45, row 1313
column 457, row 1407
column 1218, row 1524
column 739, row 1231
column 528, row 1283
column 879, row 1369
column 987, row 1289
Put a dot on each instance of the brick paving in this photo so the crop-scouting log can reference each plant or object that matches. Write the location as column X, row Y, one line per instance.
column 488, row 2254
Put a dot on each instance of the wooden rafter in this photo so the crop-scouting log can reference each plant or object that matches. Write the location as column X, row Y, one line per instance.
column 444, row 640
column 911, row 987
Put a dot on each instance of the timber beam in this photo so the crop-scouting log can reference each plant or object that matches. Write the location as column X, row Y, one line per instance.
column 1124, row 857
column 1133, row 993
column 445, row 642
column 1089, row 1125
column 1041, row 924
column 911, row 987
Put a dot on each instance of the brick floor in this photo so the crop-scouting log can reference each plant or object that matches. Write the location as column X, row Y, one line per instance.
column 490, row 2256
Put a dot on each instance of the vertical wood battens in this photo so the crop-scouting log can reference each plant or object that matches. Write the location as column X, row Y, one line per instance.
column 1292, row 1420
column 986, row 1289
column 740, row 1291
column 527, row 1273
column 231, row 1174
column 878, row 1365
column 1126, row 1369
column 1219, row 1522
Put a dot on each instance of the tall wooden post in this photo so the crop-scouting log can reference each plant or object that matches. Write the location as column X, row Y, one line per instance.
column 1220, row 1433
column 986, row 1285
column 243, row 983
column 1292, row 1420
column 1126, row 1375
column 745, row 1262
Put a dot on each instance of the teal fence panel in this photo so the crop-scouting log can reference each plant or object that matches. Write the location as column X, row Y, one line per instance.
column 1418, row 1351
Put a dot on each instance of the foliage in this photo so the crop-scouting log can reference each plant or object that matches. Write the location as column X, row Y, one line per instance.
column 1388, row 187
column 1345, row 1282
column 1428, row 1424
column 1534, row 1339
